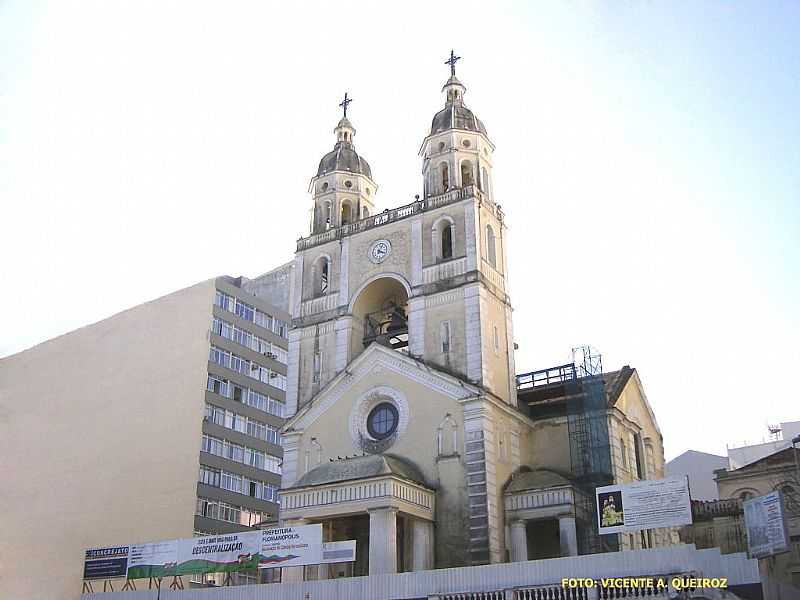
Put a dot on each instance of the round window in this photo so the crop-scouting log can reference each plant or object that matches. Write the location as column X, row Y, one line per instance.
column 348, row 183
column 324, row 186
column 466, row 143
column 382, row 421
column 441, row 146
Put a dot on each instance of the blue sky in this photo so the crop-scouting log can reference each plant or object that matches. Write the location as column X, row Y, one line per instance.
column 647, row 160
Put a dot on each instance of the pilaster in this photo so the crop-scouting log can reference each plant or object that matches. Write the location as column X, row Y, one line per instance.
column 344, row 273
column 416, row 326
column 416, row 251
column 293, row 372
column 343, row 328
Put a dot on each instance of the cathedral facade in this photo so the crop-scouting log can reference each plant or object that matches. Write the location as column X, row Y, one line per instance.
column 406, row 432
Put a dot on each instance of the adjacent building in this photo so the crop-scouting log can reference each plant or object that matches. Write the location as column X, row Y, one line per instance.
column 720, row 523
column 157, row 423
column 699, row 467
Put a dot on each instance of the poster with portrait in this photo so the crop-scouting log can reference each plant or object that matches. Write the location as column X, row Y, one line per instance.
column 643, row 505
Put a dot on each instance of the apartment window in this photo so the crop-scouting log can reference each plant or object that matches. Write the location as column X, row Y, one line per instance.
column 263, row 320
column 234, row 452
column 242, row 337
column 496, row 340
column 225, row 301
column 245, row 311
column 277, row 380
column 221, row 357
column 238, row 392
column 444, row 334
column 209, row 476
column 281, row 328
column 231, row 482
column 213, row 445
column 217, row 385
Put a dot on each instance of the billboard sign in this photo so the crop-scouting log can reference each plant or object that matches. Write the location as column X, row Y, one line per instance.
column 291, row 546
column 153, row 559
column 106, row 563
column 222, row 553
column 643, row 505
column 766, row 525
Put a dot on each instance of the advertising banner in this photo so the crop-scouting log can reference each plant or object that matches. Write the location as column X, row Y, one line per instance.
column 153, row 559
column 222, row 553
column 106, row 563
column 643, row 505
column 291, row 546
column 765, row 522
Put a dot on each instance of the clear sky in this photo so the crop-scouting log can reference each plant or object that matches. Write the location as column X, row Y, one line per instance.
column 648, row 161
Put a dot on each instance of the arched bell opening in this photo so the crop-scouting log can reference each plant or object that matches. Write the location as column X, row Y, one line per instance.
column 380, row 312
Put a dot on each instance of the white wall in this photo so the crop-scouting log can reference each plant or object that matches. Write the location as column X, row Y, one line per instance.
column 100, row 434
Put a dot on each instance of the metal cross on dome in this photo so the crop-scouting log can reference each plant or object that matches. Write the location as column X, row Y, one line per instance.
column 452, row 62
column 344, row 103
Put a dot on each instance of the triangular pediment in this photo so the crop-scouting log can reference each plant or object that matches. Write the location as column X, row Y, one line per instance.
column 375, row 358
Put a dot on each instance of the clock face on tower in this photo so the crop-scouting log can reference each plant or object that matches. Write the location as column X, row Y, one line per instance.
column 379, row 250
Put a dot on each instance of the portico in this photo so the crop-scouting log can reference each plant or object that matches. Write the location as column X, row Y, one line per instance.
column 381, row 500
column 540, row 513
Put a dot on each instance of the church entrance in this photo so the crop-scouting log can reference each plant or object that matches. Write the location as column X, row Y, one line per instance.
column 543, row 537
column 356, row 527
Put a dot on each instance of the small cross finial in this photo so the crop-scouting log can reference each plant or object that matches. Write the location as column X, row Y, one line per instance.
column 344, row 103
column 452, row 62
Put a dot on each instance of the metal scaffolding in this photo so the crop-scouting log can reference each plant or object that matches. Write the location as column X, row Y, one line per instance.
column 590, row 449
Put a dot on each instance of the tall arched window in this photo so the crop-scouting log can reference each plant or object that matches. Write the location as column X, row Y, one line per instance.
column 491, row 251
column 484, row 183
column 467, row 178
column 346, row 216
column 447, row 241
column 443, row 238
column 623, row 453
column 322, row 274
column 444, row 171
column 328, row 215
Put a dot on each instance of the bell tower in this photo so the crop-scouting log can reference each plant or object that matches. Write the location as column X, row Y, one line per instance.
column 342, row 189
column 457, row 152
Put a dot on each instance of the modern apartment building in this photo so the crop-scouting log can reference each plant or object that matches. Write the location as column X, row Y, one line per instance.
column 156, row 423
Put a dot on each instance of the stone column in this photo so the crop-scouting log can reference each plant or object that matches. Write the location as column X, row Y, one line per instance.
column 422, row 553
column 293, row 574
column 382, row 541
column 519, row 542
column 568, row 536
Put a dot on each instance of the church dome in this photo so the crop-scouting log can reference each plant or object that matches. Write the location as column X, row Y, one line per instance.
column 344, row 157
column 455, row 115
